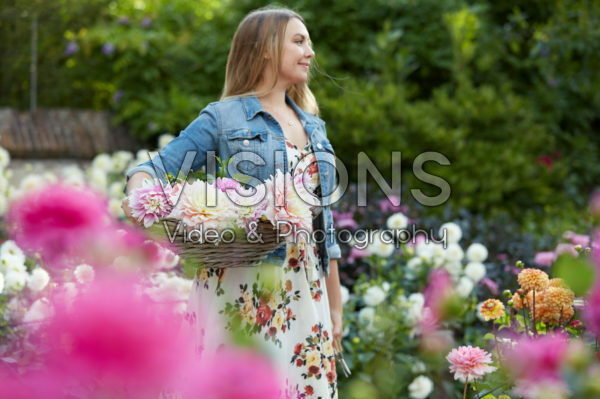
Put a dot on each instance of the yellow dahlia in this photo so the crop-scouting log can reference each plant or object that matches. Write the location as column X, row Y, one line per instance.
column 533, row 279
column 557, row 282
column 492, row 309
column 558, row 297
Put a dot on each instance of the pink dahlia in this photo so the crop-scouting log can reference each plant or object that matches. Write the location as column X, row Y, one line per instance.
column 469, row 362
column 227, row 183
column 57, row 221
column 114, row 340
column 537, row 362
column 150, row 203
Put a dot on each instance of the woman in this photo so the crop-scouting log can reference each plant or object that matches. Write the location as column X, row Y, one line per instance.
column 268, row 112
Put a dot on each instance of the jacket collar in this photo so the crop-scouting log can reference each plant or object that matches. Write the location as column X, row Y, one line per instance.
column 252, row 107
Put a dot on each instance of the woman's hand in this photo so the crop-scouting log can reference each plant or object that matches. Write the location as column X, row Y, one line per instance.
column 134, row 182
column 336, row 321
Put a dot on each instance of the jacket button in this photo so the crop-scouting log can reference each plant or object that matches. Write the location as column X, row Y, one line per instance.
column 326, row 174
column 320, row 146
column 246, row 143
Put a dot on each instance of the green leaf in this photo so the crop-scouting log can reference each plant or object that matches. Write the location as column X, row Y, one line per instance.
column 577, row 273
column 489, row 336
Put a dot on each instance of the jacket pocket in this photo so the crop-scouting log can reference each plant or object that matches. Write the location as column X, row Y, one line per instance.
column 246, row 148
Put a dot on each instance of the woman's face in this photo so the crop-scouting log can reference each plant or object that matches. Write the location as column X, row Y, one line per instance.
column 296, row 53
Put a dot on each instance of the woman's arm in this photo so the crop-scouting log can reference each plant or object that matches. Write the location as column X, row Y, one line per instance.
column 185, row 153
column 335, row 299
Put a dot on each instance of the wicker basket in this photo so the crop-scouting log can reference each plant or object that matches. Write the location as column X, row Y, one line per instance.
column 238, row 253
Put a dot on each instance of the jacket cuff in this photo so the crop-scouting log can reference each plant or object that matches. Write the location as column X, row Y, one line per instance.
column 334, row 251
column 140, row 168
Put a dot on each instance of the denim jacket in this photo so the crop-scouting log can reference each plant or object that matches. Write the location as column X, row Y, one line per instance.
column 241, row 126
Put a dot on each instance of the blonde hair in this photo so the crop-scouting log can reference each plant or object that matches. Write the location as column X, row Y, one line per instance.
column 262, row 32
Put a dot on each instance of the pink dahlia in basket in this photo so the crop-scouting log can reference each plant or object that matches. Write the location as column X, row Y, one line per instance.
column 151, row 202
column 469, row 362
column 227, row 183
column 285, row 205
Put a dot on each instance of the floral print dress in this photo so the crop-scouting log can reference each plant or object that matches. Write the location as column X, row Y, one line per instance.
column 283, row 303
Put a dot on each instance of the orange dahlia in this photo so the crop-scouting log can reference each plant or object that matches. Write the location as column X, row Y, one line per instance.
column 552, row 315
column 533, row 279
column 492, row 309
column 518, row 302
column 558, row 297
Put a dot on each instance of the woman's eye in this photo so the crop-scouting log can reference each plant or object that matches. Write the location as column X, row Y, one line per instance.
column 299, row 41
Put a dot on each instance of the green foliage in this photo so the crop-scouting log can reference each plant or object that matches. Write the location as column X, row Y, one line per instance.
column 578, row 273
column 489, row 135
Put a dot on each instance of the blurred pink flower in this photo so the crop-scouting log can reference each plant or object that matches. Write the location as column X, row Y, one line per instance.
column 439, row 288
column 356, row 253
column 116, row 339
column 563, row 248
column 416, row 240
column 390, row 204
column 545, row 259
column 115, row 343
column 502, row 257
column 596, row 248
column 58, row 222
column 150, row 203
column 428, row 323
column 490, row 284
column 546, row 160
column 577, row 239
column 437, row 292
column 31, row 385
column 469, row 362
column 535, row 362
column 254, row 376
column 591, row 310
column 159, row 255
column 344, row 220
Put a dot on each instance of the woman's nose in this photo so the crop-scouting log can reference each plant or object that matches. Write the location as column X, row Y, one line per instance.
column 309, row 52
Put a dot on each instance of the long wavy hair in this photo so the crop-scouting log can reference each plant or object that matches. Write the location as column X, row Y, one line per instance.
column 262, row 32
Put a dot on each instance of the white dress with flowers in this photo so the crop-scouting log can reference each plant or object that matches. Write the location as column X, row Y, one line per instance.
column 285, row 306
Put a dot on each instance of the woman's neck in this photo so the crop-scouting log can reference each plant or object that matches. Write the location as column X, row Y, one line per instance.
column 274, row 97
